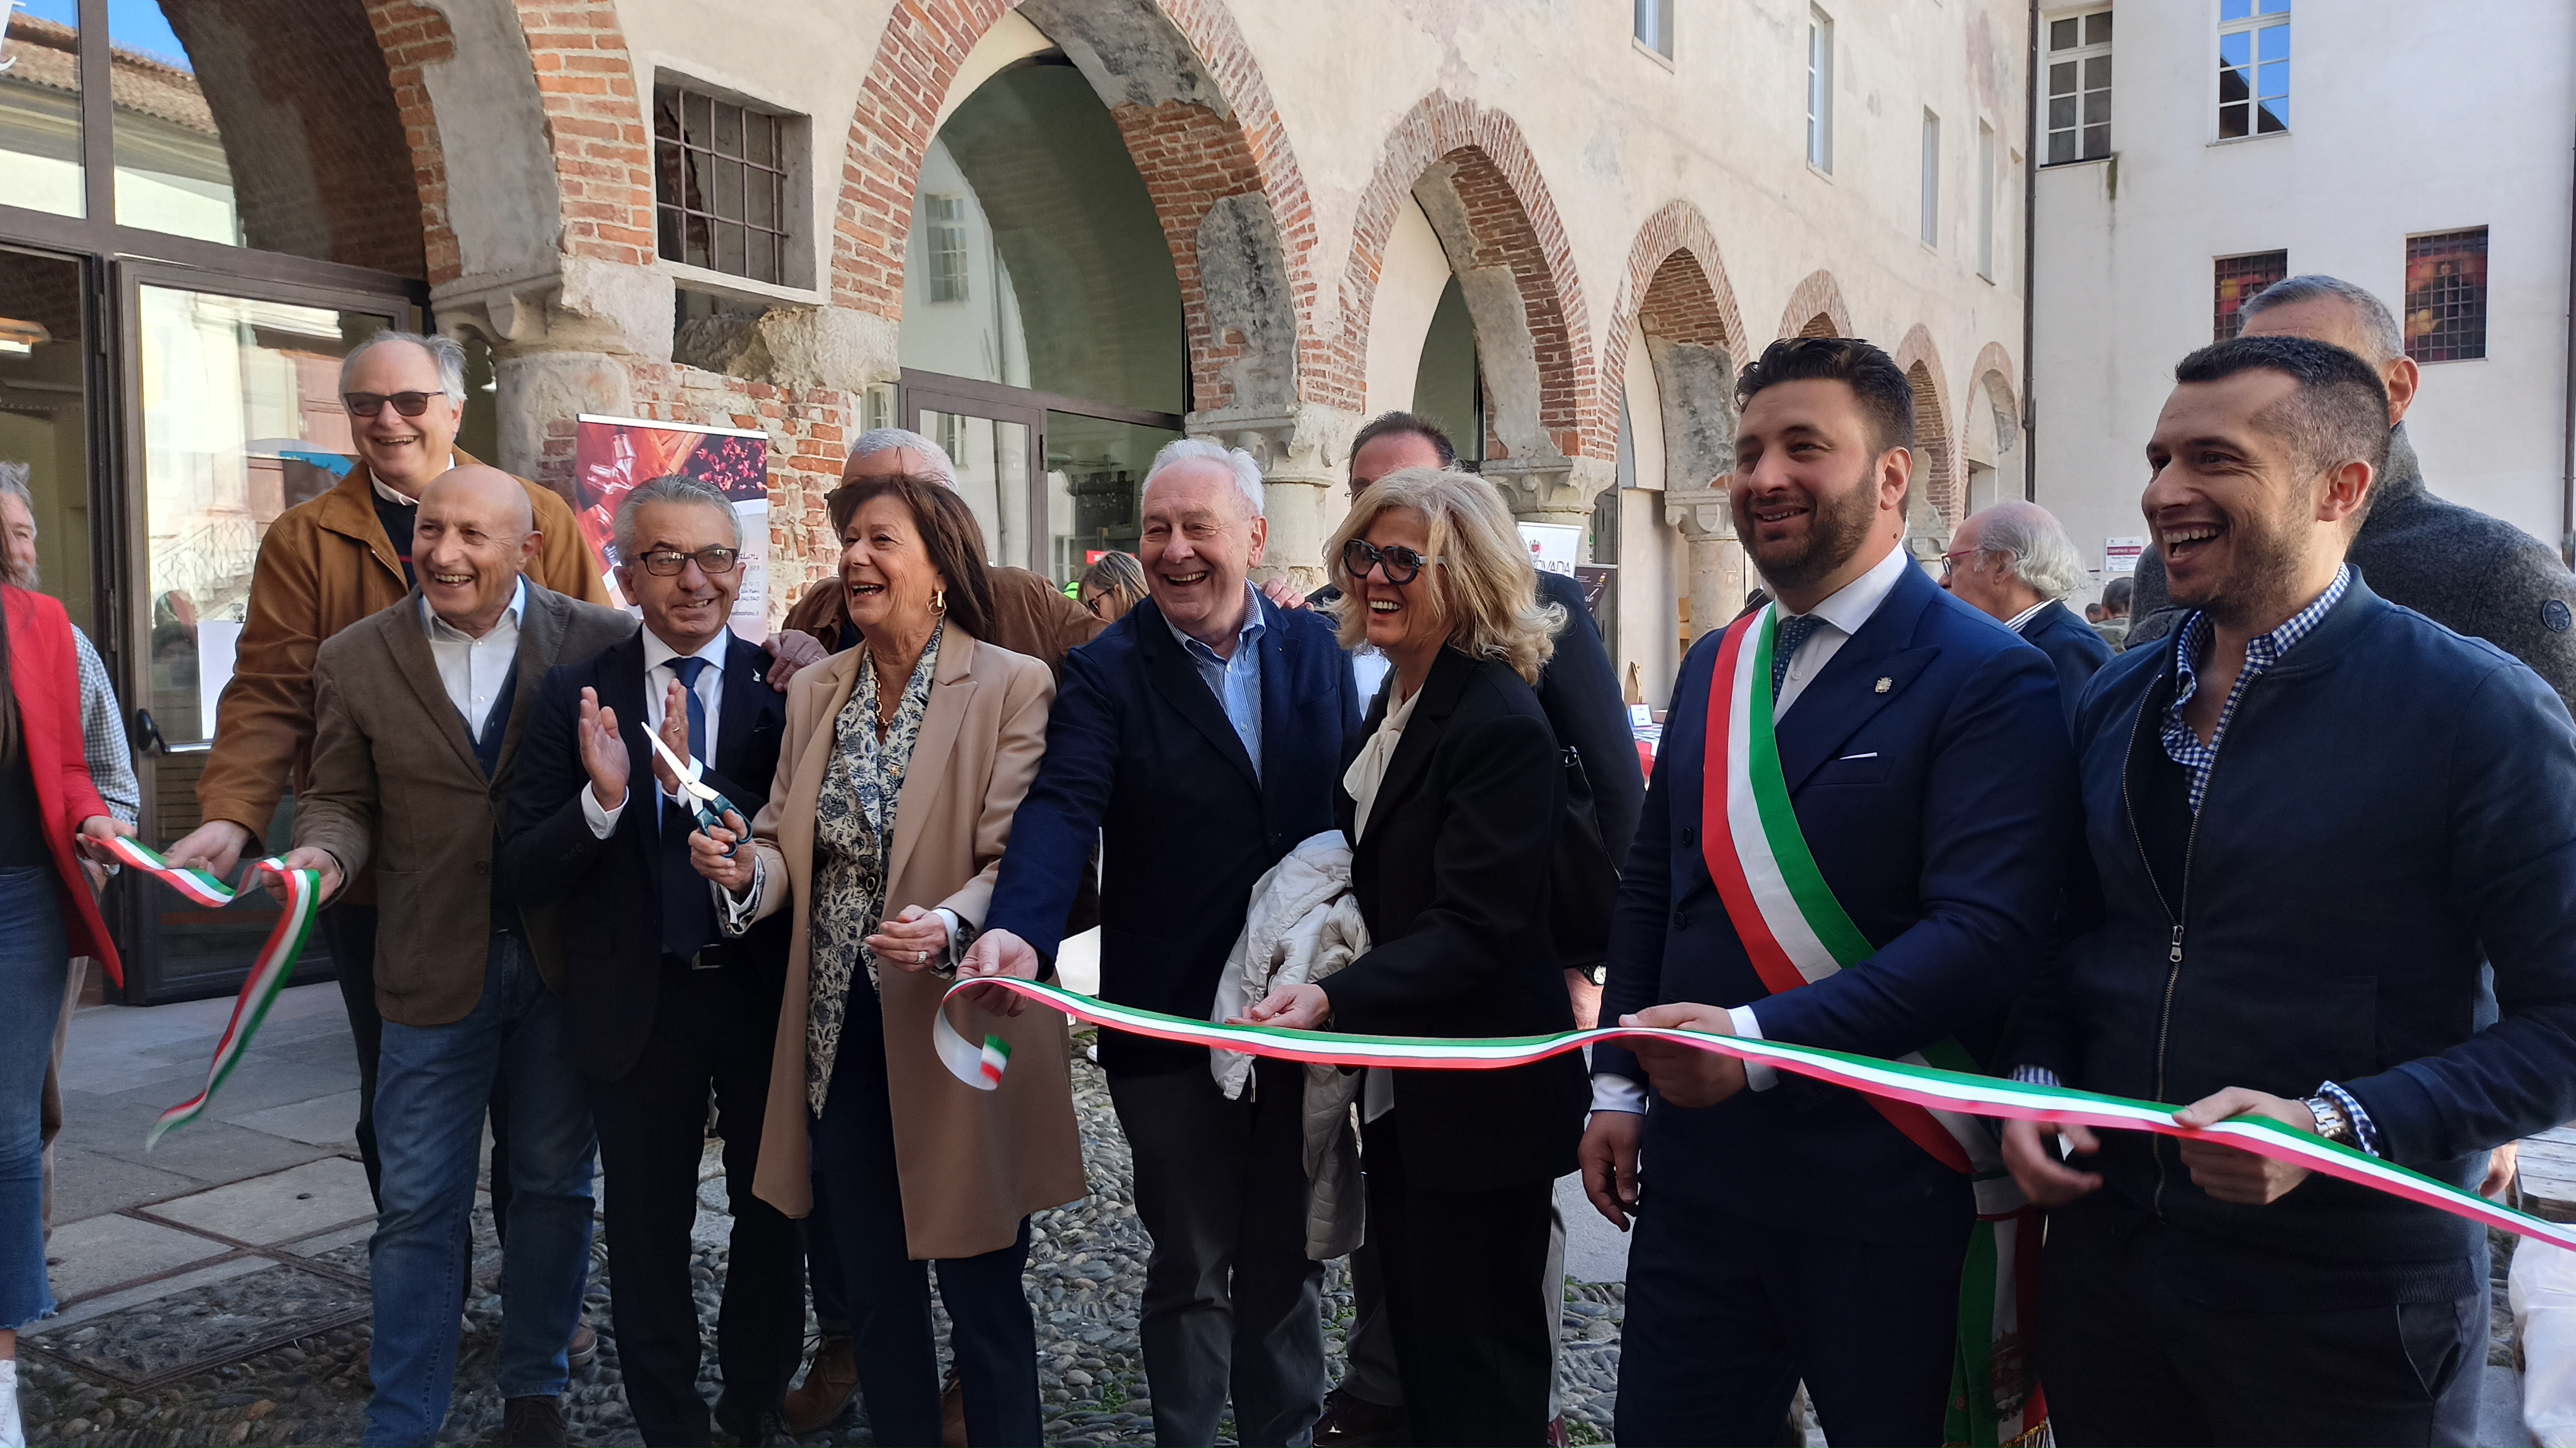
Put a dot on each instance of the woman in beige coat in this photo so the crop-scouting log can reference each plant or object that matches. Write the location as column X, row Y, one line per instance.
column 902, row 764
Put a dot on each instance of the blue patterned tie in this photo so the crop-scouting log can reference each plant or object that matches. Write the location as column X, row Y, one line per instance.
column 688, row 669
column 1794, row 630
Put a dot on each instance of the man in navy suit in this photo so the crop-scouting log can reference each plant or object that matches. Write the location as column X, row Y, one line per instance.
column 1198, row 740
column 2015, row 564
column 659, row 1008
column 1790, row 1231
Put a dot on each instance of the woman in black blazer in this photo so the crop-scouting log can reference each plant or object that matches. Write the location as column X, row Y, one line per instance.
column 1453, row 797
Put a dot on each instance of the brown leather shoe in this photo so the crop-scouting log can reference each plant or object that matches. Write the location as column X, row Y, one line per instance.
column 827, row 1388
column 1351, row 1421
column 952, row 1412
column 533, row 1423
column 583, row 1347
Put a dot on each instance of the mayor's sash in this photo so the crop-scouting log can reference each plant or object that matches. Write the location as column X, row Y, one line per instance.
column 1796, row 933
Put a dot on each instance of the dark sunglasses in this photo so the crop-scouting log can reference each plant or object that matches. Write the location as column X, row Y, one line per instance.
column 1402, row 564
column 368, row 404
column 667, row 562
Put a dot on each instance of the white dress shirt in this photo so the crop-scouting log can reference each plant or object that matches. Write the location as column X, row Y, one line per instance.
column 658, row 678
column 473, row 670
column 1842, row 616
column 2026, row 615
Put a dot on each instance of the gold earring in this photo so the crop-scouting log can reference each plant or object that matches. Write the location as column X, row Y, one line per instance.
column 939, row 600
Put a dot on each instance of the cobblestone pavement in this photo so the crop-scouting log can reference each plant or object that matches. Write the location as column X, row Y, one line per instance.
column 1086, row 1270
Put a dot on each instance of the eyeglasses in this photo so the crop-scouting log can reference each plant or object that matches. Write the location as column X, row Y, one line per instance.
column 1402, row 564
column 1950, row 560
column 667, row 562
column 368, row 404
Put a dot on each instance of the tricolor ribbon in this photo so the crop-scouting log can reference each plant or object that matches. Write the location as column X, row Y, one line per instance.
column 1926, row 1086
column 269, row 973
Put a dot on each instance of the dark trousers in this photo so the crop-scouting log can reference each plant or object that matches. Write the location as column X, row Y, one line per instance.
column 1231, row 1300
column 1727, row 1316
column 1456, row 1269
column 712, row 1030
column 2128, row 1356
column 888, row 1294
column 350, row 931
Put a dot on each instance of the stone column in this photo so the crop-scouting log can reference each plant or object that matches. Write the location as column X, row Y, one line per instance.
column 562, row 344
column 1717, row 574
column 1552, row 490
column 1303, row 455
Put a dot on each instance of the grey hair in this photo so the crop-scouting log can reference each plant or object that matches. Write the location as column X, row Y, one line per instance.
column 2042, row 555
column 673, row 489
column 2378, row 328
column 881, row 439
column 13, row 481
column 1247, row 473
column 444, row 351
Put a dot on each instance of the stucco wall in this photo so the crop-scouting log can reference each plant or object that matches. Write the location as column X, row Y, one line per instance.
column 2127, row 245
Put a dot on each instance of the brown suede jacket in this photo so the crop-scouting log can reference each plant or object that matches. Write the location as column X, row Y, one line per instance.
column 324, row 565
column 1030, row 616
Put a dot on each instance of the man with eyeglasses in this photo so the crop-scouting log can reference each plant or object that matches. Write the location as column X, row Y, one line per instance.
column 660, row 1010
column 324, row 565
column 2015, row 564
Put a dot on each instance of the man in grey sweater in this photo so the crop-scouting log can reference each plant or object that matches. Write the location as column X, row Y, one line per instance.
column 2471, row 573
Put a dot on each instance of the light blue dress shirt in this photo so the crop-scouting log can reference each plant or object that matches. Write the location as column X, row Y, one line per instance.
column 1236, row 682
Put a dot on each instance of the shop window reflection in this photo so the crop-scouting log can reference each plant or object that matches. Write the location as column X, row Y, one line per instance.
column 40, row 125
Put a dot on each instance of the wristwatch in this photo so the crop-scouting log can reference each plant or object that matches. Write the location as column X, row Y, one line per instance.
column 1597, row 972
column 2332, row 1122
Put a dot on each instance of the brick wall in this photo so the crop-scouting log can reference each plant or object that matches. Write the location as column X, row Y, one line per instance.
column 809, row 431
column 1935, row 460
column 1818, row 296
column 1512, row 223
column 413, row 37
column 603, row 149
column 1675, row 289
column 1191, row 158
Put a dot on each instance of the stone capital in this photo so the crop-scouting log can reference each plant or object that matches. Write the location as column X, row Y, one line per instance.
column 1551, row 490
column 581, row 305
column 1303, row 445
column 1704, row 515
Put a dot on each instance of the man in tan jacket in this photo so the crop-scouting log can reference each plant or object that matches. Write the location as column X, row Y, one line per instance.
column 324, row 565
column 419, row 712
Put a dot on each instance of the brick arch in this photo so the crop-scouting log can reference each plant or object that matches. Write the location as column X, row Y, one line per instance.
column 595, row 122
column 1193, row 153
column 1818, row 296
column 1511, row 221
column 1992, row 361
column 1936, row 463
column 1675, row 290
column 414, row 37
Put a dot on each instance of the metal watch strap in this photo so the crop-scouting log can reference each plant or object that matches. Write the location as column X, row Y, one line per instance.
column 2333, row 1124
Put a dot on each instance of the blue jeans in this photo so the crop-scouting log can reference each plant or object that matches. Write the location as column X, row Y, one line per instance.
column 431, row 1086
column 33, row 958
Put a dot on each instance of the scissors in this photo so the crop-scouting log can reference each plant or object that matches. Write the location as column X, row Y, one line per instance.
column 709, row 805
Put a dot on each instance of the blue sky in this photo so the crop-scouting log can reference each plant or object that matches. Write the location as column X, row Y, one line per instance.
column 131, row 24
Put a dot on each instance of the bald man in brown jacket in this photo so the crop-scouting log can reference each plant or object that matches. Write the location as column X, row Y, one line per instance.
column 324, row 565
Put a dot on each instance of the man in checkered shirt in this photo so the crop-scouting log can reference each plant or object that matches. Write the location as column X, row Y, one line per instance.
column 2311, row 815
column 111, row 762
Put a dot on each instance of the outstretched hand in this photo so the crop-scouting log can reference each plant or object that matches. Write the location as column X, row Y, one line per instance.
column 1686, row 1075
column 603, row 754
column 2229, row 1173
column 2031, row 1155
column 1291, row 1008
column 996, row 953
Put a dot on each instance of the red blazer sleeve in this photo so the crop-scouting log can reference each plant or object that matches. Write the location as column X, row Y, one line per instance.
column 45, row 679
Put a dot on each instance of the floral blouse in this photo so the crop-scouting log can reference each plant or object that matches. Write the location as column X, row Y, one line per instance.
column 853, row 836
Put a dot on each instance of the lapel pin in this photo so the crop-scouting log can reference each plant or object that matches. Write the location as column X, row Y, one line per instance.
column 1885, row 684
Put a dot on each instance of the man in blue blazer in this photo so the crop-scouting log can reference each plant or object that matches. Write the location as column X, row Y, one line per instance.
column 1789, row 1231
column 659, row 1009
column 2016, row 565
column 1198, row 741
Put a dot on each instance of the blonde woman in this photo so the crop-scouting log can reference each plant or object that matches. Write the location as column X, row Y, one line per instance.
column 1452, row 803
column 1111, row 586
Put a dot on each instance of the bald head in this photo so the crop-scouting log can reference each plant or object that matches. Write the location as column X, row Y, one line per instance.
column 475, row 534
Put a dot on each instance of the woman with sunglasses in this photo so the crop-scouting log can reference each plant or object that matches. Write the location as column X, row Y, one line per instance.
column 1112, row 586
column 1452, row 802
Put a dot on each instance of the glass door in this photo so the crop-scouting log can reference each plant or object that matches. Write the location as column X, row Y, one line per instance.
column 995, row 447
column 233, row 418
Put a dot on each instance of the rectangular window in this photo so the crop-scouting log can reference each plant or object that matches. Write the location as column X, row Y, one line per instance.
column 947, row 242
column 720, row 184
column 1655, row 25
column 2238, row 279
column 2253, row 68
column 2446, row 296
column 1985, row 201
column 1820, row 91
column 1931, row 179
column 2079, row 87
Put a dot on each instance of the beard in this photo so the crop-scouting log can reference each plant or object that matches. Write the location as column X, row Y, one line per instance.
column 19, row 577
column 1836, row 530
column 2269, row 561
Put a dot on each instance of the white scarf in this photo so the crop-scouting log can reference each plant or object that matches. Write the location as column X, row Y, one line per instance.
column 1368, row 768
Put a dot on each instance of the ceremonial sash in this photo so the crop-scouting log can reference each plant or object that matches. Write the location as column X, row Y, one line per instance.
column 1797, row 933
column 269, row 972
